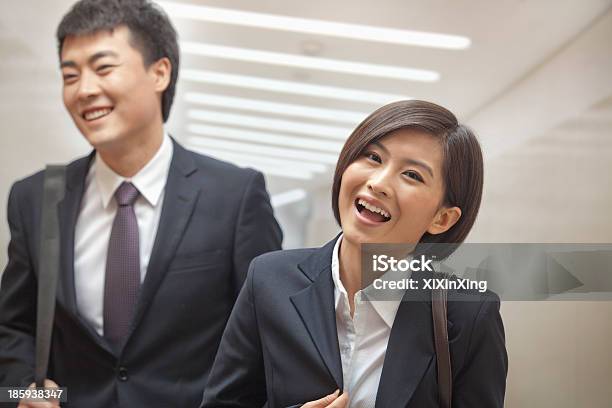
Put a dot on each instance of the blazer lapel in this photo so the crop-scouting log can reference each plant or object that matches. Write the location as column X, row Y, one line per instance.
column 315, row 305
column 410, row 351
column 68, row 211
column 181, row 193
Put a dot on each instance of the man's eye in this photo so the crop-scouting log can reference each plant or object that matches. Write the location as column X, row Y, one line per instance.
column 69, row 77
column 373, row 156
column 414, row 175
column 104, row 67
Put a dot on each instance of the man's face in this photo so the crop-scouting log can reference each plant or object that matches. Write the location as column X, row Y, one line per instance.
column 111, row 96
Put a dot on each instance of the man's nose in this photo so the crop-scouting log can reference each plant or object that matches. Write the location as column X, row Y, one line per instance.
column 88, row 86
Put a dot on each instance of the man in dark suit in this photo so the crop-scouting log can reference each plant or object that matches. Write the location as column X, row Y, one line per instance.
column 155, row 239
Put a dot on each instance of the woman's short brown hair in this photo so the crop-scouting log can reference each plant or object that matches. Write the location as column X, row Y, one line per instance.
column 462, row 166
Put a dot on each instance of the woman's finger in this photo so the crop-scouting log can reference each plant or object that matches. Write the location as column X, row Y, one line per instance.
column 322, row 402
column 340, row 402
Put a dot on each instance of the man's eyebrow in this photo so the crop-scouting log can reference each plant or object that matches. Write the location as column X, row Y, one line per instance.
column 413, row 162
column 92, row 59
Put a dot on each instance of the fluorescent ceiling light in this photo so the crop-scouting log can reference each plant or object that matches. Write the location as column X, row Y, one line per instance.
column 265, row 137
column 302, row 61
column 318, row 27
column 280, row 168
column 258, row 122
column 288, row 197
column 258, row 149
column 286, row 109
column 290, row 87
column 268, row 161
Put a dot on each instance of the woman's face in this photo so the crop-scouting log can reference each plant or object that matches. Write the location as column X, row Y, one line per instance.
column 394, row 191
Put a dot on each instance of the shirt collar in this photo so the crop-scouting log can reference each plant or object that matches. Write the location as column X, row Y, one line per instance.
column 386, row 309
column 150, row 180
column 387, row 303
column 339, row 289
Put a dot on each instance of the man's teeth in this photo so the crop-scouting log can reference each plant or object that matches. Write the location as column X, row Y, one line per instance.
column 98, row 113
column 373, row 208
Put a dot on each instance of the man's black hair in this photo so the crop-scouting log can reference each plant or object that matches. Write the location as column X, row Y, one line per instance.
column 151, row 32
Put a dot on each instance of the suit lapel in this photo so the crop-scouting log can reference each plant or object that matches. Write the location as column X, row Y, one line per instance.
column 410, row 351
column 315, row 305
column 181, row 193
column 68, row 211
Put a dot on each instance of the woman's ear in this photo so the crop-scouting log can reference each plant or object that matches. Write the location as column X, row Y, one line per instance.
column 444, row 220
column 161, row 71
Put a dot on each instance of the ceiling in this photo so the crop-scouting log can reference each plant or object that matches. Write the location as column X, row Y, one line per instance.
column 530, row 67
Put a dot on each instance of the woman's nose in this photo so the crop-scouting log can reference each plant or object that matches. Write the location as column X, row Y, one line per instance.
column 379, row 183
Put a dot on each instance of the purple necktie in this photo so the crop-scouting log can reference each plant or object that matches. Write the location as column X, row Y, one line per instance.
column 122, row 268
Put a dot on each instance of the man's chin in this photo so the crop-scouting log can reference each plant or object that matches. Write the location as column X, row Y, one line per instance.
column 100, row 141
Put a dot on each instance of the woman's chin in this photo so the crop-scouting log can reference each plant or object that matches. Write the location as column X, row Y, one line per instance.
column 358, row 235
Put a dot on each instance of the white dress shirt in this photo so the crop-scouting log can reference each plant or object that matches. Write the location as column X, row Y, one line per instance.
column 95, row 220
column 362, row 339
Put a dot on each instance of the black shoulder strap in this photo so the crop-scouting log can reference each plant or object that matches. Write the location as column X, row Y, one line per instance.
column 48, row 266
column 440, row 326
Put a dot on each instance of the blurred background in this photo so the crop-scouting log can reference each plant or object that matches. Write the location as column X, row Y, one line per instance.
column 279, row 85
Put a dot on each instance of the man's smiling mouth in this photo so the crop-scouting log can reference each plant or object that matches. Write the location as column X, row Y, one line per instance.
column 94, row 114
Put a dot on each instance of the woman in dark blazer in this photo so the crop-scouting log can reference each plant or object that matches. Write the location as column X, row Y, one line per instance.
column 304, row 333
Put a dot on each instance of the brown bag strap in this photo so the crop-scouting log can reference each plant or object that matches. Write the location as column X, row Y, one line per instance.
column 440, row 326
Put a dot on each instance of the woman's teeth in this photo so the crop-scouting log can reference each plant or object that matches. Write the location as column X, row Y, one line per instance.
column 373, row 208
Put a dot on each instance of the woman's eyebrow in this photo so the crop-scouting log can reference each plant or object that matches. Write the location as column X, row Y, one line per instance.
column 420, row 164
column 413, row 162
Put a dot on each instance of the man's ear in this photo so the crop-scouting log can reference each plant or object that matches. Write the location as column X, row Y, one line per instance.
column 444, row 220
column 161, row 71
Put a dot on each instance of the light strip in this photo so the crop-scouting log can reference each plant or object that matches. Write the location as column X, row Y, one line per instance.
column 302, row 61
column 267, row 169
column 245, row 159
column 288, row 197
column 286, row 109
column 281, row 168
column 289, row 87
column 303, row 155
column 319, row 27
column 258, row 122
column 265, row 137
column 269, row 161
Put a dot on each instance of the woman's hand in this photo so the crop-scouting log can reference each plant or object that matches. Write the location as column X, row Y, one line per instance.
column 329, row 401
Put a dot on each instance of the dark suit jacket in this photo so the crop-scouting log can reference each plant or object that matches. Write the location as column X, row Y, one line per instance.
column 281, row 342
column 215, row 219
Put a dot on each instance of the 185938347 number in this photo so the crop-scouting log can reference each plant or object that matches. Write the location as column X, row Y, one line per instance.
column 16, row 394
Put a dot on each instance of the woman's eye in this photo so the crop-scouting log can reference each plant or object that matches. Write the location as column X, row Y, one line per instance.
column 373, row 156
column 414, row 175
